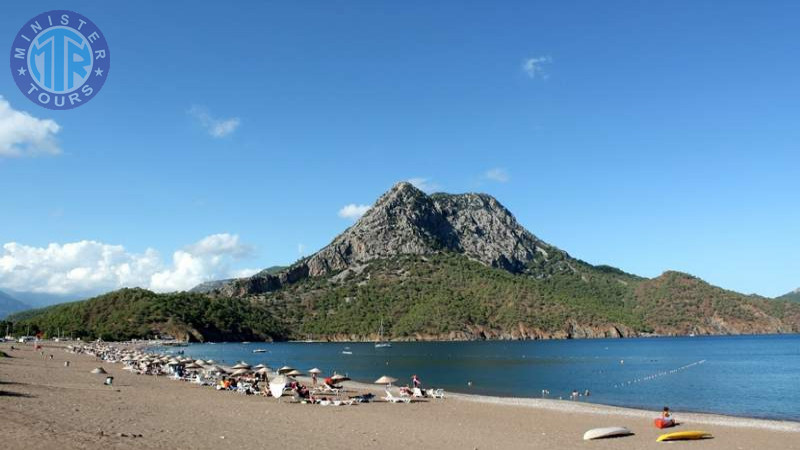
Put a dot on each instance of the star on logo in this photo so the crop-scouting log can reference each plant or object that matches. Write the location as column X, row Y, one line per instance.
column 21, row 71
column 98, row 72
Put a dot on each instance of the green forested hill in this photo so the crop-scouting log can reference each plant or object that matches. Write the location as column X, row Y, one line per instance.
column 138, row 313
column 793, row 296
column 442, row 296
column 448, row 296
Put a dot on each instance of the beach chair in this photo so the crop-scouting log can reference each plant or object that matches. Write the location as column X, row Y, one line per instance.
column 436, row 393
column 325, row 389
column 392, row 399
column 417, row 393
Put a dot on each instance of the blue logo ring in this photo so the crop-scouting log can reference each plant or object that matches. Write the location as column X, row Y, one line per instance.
column 60, row 59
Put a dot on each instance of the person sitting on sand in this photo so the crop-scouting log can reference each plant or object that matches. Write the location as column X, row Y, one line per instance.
column 666, row 417
column 302, row 391
column 405, row 390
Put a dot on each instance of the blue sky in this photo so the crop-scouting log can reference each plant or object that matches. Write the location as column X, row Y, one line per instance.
column 646, row 136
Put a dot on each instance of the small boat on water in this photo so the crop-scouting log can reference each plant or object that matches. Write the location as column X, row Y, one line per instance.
column 259, row 350
column 347, row 351
column 381, row 343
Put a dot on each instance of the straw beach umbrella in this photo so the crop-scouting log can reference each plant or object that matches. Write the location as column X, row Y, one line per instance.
column 262, row 373
column 285, row 369
column 99, row 370
column 294, row 373
column 386, row 379
column 315, row 371
column 240, row 372
column 241, row 365
column 337, row 378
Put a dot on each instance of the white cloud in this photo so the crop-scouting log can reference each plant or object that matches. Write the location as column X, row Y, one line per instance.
column 220, row 244
column 244, row 273
column 497, row 174
column 216, row 127
column 535, row 67
column 353, row 211
column 21, row 134
column 92, row 267
column 424, row 184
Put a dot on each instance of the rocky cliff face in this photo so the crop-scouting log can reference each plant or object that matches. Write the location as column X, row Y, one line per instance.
column 406, row 221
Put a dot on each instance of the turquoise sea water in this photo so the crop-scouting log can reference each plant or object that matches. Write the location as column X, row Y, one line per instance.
column 754, row 376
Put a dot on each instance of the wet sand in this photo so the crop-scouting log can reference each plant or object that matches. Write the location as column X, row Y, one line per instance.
column 45, row 405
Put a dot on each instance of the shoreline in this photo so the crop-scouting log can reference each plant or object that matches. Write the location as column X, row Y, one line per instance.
column 710, row 418
column 500, row 339
column 604, row 409
column 48, row 405
column 514, row 398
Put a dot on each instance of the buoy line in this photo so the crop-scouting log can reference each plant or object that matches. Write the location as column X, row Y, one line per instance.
column 659, row 374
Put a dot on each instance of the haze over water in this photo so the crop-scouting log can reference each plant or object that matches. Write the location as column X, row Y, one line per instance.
column 755, row 376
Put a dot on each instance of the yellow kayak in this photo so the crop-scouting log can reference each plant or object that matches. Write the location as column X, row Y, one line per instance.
column 683, row 436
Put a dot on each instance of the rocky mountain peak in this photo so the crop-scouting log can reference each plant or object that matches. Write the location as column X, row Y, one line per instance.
column 407, row 221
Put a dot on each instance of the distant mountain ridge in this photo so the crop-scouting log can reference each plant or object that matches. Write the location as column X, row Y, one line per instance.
column 793, row 296
column 10, row 305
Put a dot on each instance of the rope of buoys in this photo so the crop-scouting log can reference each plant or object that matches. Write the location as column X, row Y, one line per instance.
column 659, row 374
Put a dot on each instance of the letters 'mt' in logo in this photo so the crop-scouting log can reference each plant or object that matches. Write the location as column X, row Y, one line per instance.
column 56, row 56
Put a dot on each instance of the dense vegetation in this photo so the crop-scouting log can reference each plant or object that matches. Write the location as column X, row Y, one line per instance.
column 138, row 313
column 442, row 296
column 449, row 296
column 793, row 296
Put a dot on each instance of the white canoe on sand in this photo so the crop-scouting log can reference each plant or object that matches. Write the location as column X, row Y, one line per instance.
column 599, row 433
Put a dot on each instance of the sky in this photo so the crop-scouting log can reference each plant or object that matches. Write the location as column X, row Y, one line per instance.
column 230, row 137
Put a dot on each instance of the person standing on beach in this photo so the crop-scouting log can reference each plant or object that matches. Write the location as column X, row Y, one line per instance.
column 415, row 381
column 314, row 379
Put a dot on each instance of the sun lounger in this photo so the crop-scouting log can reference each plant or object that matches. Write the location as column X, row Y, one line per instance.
column 435, row 393
column 417, row 393
column 325, row 389
column 392, row 399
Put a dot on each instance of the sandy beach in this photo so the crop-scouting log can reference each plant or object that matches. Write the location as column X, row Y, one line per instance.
column 46, row 405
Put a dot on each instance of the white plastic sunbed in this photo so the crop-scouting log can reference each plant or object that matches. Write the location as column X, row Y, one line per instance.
column 435, row 393
column 392, row 399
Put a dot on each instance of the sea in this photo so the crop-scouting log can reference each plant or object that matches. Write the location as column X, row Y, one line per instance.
column 750, row 376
